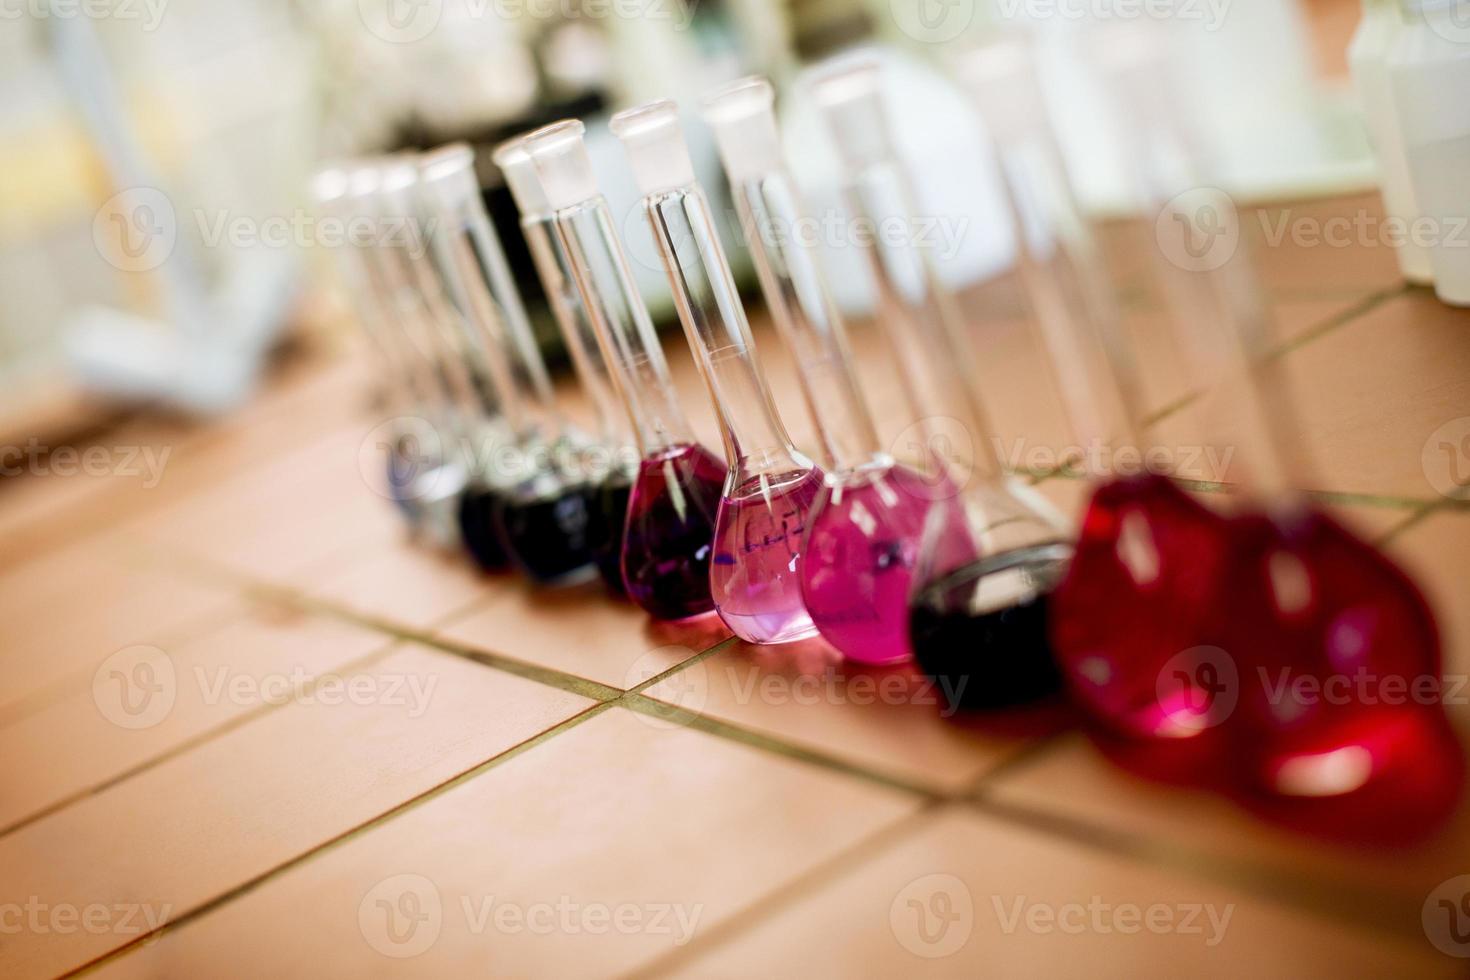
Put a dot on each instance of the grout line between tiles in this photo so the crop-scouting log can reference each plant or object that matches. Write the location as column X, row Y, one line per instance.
column 332, row 843
column 773, row 902
column 350, row 667
column 1307, row 336
column 1336, row 900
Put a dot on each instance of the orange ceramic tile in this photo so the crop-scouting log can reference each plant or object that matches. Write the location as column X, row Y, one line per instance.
column 595, row 852
column 205, row 822
column 290, row 512
column 399, row 582
column 76, row 620
column 583, row 631
column 963, row 895
column 1331, row 245
column 891, row 720
column 1379, row 398
column 146, row 701
column 1072, row 779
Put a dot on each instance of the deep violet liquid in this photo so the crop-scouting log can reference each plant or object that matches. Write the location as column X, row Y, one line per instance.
column 669, row 538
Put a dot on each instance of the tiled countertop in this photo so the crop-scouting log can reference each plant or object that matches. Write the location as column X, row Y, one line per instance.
column 240, row 703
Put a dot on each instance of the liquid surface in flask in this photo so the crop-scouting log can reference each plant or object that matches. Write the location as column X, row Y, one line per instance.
column 1138, row 597
column 858, row 561
column 980, row 631
column 670, row 532
column 755, row 576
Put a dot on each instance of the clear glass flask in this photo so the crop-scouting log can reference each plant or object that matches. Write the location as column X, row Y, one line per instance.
column 611, row 463
column 433, row 328
column 331, row 188
column 993, row 549
column 541, row 504
column 669, row 538
column 1142, row 585
column 862, row 537
column 1301, row 596
column 755, row 575
column 442, row 477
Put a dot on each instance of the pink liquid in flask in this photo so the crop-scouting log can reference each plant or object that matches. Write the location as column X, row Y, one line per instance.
column 858, row 562
column 756, row 573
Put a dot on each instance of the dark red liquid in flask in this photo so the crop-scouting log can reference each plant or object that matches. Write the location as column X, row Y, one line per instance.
column 670, row 531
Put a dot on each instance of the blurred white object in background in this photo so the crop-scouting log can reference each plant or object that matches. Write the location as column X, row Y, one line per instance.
column 1429, row 65
column 962, row 218
column 1271, row 130
column 177, row 285
column 1367, row 56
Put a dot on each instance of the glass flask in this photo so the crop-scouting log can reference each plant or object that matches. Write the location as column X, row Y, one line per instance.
column 1315, row 628
column 435, row 472
column 862, row 536
column 992, row 549
column 611, row 463
column 755, row 574
column 668, row 540
column 1142, row 586
column 541, row 503
column 435, row 331
column 330, row 192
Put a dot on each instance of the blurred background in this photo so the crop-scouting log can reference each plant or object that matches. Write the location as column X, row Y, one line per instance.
column 157, row 249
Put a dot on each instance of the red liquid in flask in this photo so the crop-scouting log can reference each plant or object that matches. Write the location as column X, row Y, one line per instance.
column 1136, row 606
column 670, row 532
column 1339, row 677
